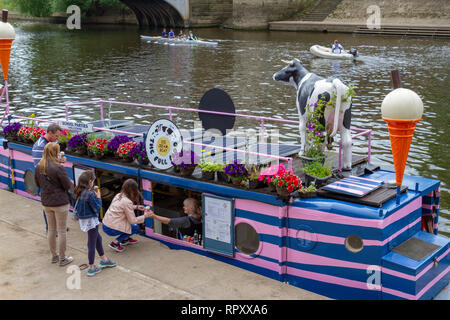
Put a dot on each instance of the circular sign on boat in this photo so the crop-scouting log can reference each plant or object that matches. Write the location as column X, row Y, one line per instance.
column 219, row 101
column 163, row 139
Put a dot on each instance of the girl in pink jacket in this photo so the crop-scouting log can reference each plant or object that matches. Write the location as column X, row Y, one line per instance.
column 120, row 220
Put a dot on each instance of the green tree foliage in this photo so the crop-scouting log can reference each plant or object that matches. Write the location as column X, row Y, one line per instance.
column 44, row 8
column 36, row 8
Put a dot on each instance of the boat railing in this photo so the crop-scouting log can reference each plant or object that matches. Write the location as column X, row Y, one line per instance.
column 171, row 109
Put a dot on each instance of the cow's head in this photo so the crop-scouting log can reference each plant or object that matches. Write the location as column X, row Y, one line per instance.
column 291, row 74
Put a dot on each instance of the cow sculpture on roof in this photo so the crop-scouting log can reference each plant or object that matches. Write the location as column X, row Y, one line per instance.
column 310, row 88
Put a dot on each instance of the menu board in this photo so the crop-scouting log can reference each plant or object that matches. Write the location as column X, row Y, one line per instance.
column 218, row 224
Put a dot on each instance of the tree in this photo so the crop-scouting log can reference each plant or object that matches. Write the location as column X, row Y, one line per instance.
column 36, row 8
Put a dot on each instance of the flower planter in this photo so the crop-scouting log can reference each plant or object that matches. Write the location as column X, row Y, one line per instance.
column 236, row 181
column 127, row 159
column 320, row 182
column 145, row 162
column 187, row 172
column 98, row 156
column 282, row 192
column 221, row 176
column 208, row 175
column 81, row 151
column 307, row 160
column 310, row 194
column 255, row 184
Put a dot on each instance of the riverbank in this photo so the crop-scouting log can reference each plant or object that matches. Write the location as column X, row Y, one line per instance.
column 112, row 16
column 147, row 270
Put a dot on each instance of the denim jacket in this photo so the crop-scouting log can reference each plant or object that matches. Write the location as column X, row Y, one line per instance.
column 88, row 205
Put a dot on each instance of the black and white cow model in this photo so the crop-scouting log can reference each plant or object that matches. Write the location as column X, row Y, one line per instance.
column 310, row 88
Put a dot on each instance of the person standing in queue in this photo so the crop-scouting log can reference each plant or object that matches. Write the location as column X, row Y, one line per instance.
column 188, row 224
column 52, row 135
column 54, row 182
column 88, row 206
column 120, row 219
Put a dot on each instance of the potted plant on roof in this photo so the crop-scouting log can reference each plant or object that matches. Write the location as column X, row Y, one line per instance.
column 115, row 142
column 64, row 138
column 78, row 143
column 236, row 172
column 316, row 172
column 185, row 162
column 139, row 154
column 24, row 134
column 208, row 168
column 10, row 131
column 124, row 150
column 253, row 181
column 98, row 147
column 36, row 133
column 308, row 192
column 286, row 182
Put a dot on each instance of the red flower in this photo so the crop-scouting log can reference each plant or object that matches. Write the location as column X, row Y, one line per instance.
column 280, row 183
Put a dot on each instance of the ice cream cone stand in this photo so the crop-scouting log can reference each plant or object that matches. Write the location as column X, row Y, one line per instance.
column 333, row 244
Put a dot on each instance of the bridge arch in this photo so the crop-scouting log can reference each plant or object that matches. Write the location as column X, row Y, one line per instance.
column 160, row 13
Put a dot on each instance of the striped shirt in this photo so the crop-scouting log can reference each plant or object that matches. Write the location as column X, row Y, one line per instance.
column 38, row 149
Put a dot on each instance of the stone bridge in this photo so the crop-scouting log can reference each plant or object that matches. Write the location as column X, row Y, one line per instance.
column 180, row 13
column 204, row 13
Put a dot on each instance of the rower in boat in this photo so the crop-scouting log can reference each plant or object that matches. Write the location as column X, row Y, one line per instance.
column 191, row 36
column 164, row 33
column 336, row 47
column 171, row 34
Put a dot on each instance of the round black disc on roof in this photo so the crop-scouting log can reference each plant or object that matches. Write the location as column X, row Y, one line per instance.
column 217, row 100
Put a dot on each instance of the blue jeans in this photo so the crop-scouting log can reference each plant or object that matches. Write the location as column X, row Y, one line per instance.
column 121, row 236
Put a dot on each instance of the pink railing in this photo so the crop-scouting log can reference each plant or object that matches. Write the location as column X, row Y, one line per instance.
column 171, row 109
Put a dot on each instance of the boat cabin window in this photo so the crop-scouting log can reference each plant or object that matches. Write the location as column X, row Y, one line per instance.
column 110, row 184
column 168, row 202
column 246, row 238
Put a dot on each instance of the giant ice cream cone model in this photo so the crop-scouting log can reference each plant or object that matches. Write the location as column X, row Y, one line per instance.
column 7, row 36
column 401, row 109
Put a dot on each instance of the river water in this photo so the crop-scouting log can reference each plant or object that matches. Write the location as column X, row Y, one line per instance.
column 51, row 66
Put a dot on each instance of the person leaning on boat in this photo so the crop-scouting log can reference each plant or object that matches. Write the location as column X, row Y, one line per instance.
column 51, row 177
column 188, row 224
column 336, row 47
column 52, row 135
column 120, row 220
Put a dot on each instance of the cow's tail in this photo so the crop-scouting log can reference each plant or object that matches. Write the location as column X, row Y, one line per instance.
column 338, row 86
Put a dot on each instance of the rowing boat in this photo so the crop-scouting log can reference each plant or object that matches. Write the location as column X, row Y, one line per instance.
column 179, row 41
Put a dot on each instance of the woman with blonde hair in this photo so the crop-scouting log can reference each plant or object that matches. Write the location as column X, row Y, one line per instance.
column 54, row 182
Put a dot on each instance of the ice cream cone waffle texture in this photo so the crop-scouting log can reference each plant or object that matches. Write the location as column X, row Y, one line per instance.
column 7, row 36
column 400, row 133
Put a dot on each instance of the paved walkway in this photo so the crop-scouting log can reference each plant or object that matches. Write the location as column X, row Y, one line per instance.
column 147, row 270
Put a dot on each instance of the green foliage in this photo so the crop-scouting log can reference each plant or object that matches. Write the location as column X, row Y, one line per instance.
column 316, row 169
column 209, row 166
column 9, row 5
column 311, row 188
column 36, row 8
column 44, row 8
